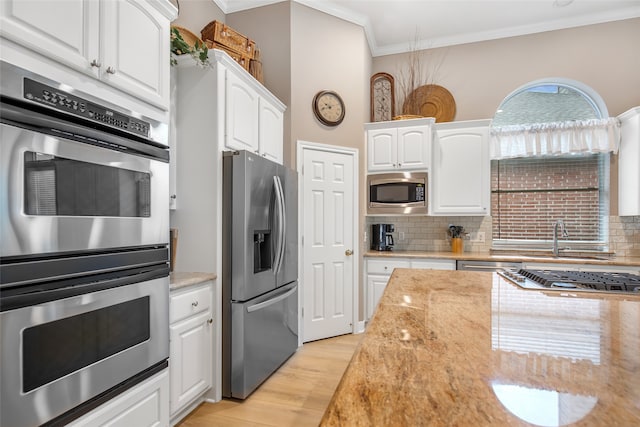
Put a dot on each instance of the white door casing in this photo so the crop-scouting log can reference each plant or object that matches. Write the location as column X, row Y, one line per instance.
column 329, row 256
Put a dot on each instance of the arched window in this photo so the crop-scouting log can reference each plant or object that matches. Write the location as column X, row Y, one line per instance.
column 535, row 186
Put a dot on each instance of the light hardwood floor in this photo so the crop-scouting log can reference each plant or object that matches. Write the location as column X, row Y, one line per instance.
column 296, row 395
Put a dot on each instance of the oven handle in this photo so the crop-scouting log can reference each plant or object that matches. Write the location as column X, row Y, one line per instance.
column 25, row 296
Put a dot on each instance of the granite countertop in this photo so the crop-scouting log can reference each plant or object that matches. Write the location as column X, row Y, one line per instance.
column 480, row 256
column 179, row 280
column 470, row 348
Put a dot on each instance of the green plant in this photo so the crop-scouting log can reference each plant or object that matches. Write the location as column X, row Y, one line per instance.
column 199, row 52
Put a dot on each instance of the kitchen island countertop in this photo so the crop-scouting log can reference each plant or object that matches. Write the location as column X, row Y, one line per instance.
column 470, row 348
column 481, row 256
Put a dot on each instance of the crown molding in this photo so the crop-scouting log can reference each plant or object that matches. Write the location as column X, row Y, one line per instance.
column 333, row 8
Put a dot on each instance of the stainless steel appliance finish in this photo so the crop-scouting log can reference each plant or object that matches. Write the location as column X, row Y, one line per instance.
column 59, row 354
column 397, row 193
column 84, row 274
column 471, row 265
column 381, row 237
column 260, row 270
column 71, row 183
column 581, row 281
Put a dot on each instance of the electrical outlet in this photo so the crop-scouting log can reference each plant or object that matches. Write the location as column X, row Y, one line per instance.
column 402, row 236
column 365, row 237
column 481, row 236
column 477, row 237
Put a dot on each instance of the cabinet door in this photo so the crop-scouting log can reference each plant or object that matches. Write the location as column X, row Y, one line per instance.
column 461, row 172
column 414, row 148
column 375, row 288
column 135, row 50
column 242, row 115
column 271, row 131
column 146, row 404
column 65, row 31
column 382, row 148
column 190, row 359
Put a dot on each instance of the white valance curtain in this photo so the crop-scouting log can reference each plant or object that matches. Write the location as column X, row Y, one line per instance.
column 554, row 139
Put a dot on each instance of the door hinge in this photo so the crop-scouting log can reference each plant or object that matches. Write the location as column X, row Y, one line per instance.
column 302, row 311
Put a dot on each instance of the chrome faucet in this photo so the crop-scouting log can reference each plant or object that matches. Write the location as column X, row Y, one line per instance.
column 559, row 224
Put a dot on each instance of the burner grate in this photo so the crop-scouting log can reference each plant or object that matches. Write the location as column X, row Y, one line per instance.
column 600, row 281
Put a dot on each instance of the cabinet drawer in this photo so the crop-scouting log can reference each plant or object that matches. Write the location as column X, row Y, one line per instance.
column 378, row 266
column 434, row 264
column 188, row 303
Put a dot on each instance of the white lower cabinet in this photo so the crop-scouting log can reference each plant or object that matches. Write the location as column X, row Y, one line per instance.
column 145, row 405
column 379, row 271
column 191, row 340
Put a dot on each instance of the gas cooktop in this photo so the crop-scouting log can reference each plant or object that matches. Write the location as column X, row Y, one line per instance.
column 574, row 280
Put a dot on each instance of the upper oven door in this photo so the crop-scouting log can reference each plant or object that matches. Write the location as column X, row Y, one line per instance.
column 59, row 195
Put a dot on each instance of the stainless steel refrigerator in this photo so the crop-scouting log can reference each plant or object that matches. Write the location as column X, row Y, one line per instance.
column 260, row 270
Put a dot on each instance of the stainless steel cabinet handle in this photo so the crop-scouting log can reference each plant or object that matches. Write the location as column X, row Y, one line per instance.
column 195, row 303
column 96, row 63
column 348, row 252
column 173, row 196
column 111, row 70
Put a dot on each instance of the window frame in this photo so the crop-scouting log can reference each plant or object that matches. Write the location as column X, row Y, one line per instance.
column 600, row 108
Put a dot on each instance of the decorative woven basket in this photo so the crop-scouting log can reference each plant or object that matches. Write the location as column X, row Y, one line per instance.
column 431, row 101
column 226, row 36
column 406, row 117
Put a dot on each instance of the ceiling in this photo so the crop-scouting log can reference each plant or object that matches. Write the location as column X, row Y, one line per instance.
column 396, row 26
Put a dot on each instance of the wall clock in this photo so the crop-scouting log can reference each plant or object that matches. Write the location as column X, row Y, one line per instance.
column 328, row 107
column 382, row 97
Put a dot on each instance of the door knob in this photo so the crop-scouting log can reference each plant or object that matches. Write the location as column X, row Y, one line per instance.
column 348, row 252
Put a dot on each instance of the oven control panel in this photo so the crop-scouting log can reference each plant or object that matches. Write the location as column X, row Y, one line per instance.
column 55, row 98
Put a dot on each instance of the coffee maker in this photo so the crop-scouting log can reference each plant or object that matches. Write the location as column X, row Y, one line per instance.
column 381, row 238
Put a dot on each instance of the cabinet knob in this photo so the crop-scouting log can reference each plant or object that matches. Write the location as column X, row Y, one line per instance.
column 96, row 63
column 173, row 196
column 385, row 267
column 111, row 70
column 210, row 321
column 195, row 303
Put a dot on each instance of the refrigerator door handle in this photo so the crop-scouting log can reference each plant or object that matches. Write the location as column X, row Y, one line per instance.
column 281, row 221
column 272, row 301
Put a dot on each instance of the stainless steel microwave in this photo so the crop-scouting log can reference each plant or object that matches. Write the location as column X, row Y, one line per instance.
column 397, row 193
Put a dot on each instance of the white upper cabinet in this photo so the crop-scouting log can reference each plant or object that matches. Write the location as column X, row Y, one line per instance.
column 254, row 117
column 399, row 145
column 461, row 173
column 628, row 161
column 242, row 115
column 124, row 43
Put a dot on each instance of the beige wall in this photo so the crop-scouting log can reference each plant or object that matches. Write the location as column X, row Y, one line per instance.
column 270, row 27
column 480, row 75
column 194, row 15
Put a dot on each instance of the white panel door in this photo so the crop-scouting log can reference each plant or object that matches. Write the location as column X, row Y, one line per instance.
column 329, row 197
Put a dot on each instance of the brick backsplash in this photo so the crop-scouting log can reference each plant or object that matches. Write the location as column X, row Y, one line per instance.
column 429, row 233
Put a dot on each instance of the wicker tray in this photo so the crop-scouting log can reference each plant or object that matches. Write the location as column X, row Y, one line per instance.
column 431, row 101
column 226, row 36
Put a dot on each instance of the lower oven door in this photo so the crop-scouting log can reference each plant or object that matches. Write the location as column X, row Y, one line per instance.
column 60, row 354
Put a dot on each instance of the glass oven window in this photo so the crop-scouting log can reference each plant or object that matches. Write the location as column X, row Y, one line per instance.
column 55, row 349
column 60, row 186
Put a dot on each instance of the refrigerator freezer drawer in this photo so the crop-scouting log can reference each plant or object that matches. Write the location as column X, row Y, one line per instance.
column 264, row 335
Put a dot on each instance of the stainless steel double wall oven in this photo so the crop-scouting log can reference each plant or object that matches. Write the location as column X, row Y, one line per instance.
column 84, row 231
